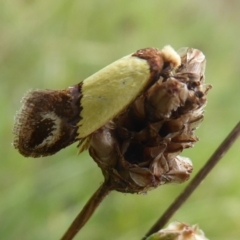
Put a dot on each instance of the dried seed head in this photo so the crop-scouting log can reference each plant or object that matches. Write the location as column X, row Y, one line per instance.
column 139, row 150
column 179, row 231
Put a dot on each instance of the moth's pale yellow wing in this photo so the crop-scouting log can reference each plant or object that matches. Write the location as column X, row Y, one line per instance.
column 109, row 91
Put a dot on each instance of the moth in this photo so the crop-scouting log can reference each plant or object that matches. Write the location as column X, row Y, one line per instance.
column 50, row 120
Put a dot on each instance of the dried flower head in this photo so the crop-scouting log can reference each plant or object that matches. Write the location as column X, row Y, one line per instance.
column 139, row 149
column 179, row 231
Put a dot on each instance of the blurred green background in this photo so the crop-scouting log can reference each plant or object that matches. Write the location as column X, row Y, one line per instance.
column 57, row 43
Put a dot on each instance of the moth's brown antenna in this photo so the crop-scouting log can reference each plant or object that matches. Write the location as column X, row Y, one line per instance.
column 213, row 160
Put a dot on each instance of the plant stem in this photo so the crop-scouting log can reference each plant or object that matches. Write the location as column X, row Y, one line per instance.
column 213, row 160
column 87, row 211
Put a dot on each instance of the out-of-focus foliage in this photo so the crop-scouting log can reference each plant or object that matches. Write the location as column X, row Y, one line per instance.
column 54, row 44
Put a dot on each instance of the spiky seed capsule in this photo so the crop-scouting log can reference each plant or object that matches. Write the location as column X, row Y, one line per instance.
column 139, row 150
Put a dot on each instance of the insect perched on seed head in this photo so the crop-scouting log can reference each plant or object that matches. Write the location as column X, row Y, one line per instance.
column 50, row 120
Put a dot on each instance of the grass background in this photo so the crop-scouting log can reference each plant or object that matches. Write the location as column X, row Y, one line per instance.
column 57, row 43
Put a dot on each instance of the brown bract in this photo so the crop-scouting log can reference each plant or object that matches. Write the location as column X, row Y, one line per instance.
column 139, row 149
